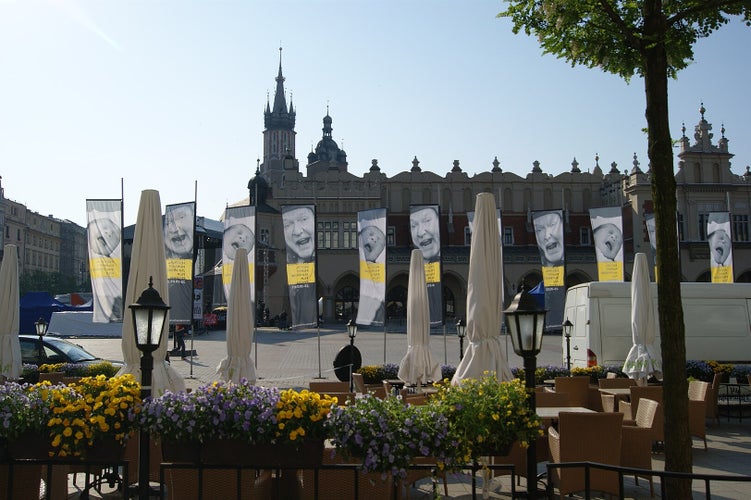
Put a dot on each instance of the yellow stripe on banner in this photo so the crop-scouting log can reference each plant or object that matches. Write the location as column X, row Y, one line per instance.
column 180, row 269
column 432, row 272
column 552, row 276
column 373, row 271
column 227, row 273
column 610, row 271
column 105, row 267
column 298, row 274
column 722, row 274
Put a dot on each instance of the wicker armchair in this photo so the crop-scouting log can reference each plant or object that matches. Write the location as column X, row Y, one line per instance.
column 697, row 409
column 577, row 389
column 550, row 399
column 636, row 448
column 334, row 484
column 609, row 401
column 586, row 437
column 713, row 392
column 630, row 409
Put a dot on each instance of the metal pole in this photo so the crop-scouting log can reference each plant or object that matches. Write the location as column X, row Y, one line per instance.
column 351, row 363
column 445, row 347
column 530, row 365
column 319, row 349
column 384, row 342
column 568, row 353
column 461, row 348
column 41, row 349
column 144, row 490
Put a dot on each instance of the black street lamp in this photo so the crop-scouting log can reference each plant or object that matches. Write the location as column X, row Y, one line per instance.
column 149, row 314
column 352, row 332
column 567, row 326
column 41, row 328
column 526, row 323
column 461, row 331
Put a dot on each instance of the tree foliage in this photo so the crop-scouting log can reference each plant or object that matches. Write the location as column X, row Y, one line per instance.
column 652, row 39
column 614, row 35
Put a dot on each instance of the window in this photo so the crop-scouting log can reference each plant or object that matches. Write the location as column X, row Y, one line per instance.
column 740, row 227
column 703, row 226
column 467, row 236
column 349, row 239
column 508, row 236
column 681, row 233
column 585, row 236
column 264, row 236
column 390, row 236
column 328, row 235
column 18, row 234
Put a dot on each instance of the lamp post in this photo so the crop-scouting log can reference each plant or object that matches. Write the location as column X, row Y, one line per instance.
column 461, row 331
column 149, row 314
column 41, row 328
column 567, row 326
column 526, row 322
column 352, row 332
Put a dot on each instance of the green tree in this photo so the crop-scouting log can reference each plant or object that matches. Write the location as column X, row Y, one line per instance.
column 652, row 39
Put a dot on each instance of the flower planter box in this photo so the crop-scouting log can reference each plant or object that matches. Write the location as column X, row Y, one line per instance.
column 308, row 454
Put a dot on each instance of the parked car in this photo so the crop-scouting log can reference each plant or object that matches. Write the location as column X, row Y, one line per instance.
column 56, row 350
column 221, row 317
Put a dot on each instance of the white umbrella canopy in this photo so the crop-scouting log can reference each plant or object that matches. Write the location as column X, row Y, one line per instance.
column 240, row 320
column 484, row 298
column 147, row 262
column 418, row 366
column 10, row 347
column 644, row 358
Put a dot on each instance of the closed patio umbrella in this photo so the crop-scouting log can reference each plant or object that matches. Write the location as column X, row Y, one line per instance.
column 10, row 347
column 484, row 298
column 240, row 320
column 418, row 366
column 148, row 262
column 644, row 359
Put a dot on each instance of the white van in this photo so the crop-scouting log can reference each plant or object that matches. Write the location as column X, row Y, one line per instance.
column 717, row 319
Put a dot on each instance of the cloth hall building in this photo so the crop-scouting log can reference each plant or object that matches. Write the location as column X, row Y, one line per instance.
column 705, row 183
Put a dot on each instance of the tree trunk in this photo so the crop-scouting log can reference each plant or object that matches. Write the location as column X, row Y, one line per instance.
column 672, row 334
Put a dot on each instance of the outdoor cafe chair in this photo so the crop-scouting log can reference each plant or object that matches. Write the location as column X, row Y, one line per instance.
column 713, row 393
column 636, row 446
column 631, row 408
column 586, row 437
column 609, row 401
column 577, row 389
column 697, row 409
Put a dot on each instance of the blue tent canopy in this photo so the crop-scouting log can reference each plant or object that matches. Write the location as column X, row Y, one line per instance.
column 35, row 305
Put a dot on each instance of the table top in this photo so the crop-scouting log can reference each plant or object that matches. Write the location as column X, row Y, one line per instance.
column 616, row 391
column 553, row 411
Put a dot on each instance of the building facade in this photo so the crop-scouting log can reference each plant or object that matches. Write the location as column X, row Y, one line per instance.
column 44, row 244
column 705, row 181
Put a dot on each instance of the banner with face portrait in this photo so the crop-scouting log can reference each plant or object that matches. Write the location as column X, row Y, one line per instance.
column 371, row 243
column 549, row 233
column 607, row 230
column 179, row 232
column 299, row 222
column 239, row 232
column 425, row 228
column 104, row 235
column 720, row 247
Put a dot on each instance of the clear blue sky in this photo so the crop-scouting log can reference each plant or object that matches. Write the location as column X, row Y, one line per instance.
column 168, row 93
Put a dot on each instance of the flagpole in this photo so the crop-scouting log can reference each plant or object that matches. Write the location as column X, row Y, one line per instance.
column 192, row 274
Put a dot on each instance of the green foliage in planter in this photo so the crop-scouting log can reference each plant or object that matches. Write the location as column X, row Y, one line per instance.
column 375, row 374
column 542, row 373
